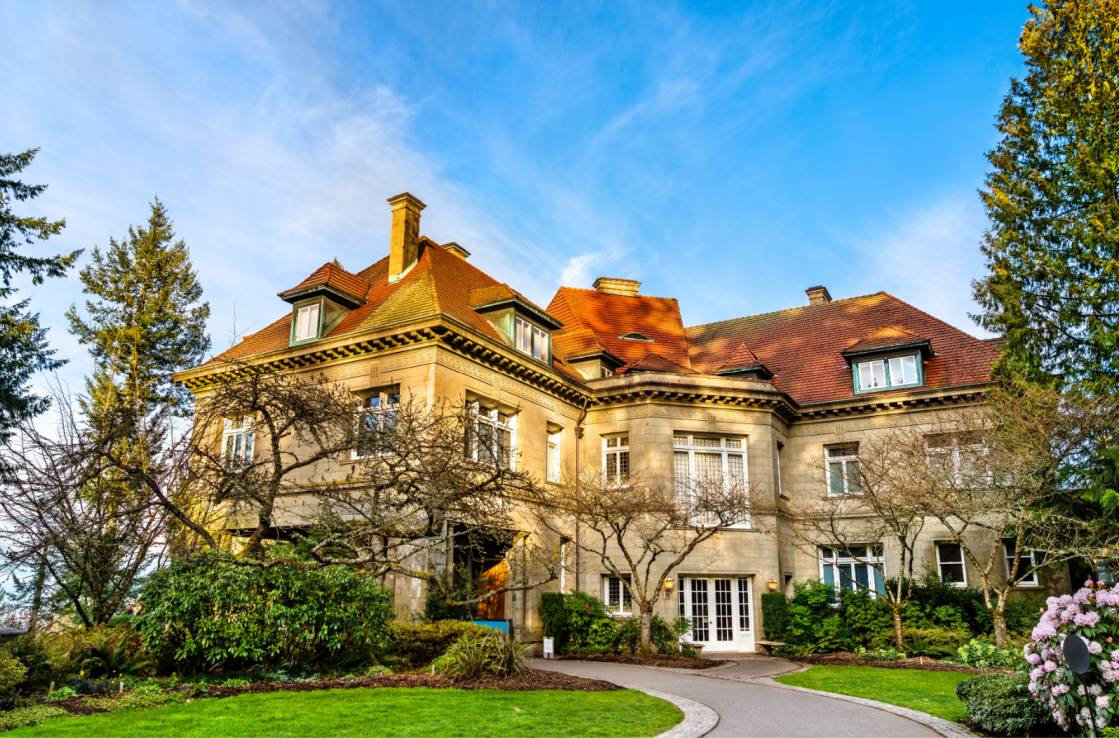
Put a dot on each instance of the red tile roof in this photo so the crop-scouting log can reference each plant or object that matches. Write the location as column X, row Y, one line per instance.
column 881, row 339
column 333, row 276
column 654, row 362
column 741, row 358
column 804, row 346
column 601, row 318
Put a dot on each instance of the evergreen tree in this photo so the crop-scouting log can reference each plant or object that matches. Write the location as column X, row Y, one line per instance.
column 23, row 344
column 1052, row 198
column 146, row 320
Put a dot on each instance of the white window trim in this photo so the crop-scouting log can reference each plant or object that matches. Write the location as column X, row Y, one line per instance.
column 563, row 566
column 725, row 451
column 844, row 460
column 316, row 327
column 492, row 416
column 247, row 431
column 531, row 333
column 621, row 611
column 618, row 450
column 953, row 453
column 962, row 562
column 887, row 378
column 383, row 410
column 867, row 561
column 1029, row 553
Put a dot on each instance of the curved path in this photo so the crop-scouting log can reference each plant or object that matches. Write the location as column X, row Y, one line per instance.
column 749, row 706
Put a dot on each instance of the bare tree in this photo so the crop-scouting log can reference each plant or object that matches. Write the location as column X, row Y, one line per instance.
column 641, row 532
column 72, row 522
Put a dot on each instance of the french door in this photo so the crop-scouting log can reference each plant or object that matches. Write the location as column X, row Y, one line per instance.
column 719, row 609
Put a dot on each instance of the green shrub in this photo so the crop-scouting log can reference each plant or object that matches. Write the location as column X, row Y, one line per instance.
column 583, row 611
column 207, row 613
column 966, row 608
column 983, row 655
column 775, row 615
column 663, row 637
column 46, row 656
column 111, row 652
column 419, row 644
column 477, row 655
column 23, row 717
column 879, row 654
column 937, row 643
column 815, row 626
column 1022, row 613
column 12, row 672
column 1002, row 705
column 456, row 587
column 553, row 616
column 867, row 618
column 602, row 637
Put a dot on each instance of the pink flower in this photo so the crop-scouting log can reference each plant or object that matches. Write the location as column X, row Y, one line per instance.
column 1049, row 666
column 1033, row 658
column 1103, row 701
column 1095, row 647
column 1087, row 619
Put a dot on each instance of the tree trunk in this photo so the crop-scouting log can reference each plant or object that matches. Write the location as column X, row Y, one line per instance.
column 646, row 630
column 37, row 596
column 999, row 620
column 899, row 634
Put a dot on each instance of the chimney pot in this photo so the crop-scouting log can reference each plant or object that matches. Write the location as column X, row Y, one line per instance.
column 617, row 286
column 818, row 295
column 404, row 238
column 457, row 250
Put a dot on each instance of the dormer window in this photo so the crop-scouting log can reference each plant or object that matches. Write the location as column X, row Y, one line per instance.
column 872, row 375
column 531, row 340
column 305, row 327
column 635, row 336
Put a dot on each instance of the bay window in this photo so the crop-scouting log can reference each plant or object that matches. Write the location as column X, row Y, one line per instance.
column 710, row 465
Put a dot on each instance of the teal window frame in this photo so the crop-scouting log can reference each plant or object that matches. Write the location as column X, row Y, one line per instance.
column 885, row 359
column 854, row 569
column 295, row 319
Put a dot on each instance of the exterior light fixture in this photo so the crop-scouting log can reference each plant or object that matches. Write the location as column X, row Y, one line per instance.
column 667, row 586
column 771, row 585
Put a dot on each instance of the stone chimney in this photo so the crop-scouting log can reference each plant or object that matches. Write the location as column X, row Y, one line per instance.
column 616, row 286
column 404, row 239
column 818, row 295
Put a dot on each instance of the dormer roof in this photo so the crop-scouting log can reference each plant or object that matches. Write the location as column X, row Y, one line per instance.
column 346, row 288
column 888, row 338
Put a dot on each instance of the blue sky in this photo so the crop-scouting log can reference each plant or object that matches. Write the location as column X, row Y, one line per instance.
column 729, row 155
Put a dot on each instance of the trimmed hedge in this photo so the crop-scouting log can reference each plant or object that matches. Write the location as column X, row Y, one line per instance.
column 419, row 644
column 1002, row 705
column 775, row 615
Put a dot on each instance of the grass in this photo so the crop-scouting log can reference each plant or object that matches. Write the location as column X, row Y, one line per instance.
column 384, row 712
column 933, row 692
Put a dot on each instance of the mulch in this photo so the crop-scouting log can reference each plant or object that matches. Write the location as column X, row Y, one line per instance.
column 917, row 662
column 651, row 659
column 527, row 680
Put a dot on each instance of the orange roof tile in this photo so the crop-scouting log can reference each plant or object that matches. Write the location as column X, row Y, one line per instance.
column 654, row 362
column 804, row 346
column 334, row 277
column 603, row 318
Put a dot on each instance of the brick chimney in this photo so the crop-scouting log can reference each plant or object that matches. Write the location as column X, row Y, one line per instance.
column 616, row 286
column 404, row 239
column 818, row 295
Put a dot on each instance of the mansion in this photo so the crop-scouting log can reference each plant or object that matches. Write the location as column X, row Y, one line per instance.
column 609, row 378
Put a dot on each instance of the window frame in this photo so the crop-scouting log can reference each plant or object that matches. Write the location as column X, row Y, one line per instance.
column 724, row 452
column 620, row 449
column 485, row 414
column 624, row 595
column 246, row 446
column 940, row 562
column 954, row 452
column 1029, row 553
column 884, row 360
column 843, row 460
column 530, row 332
column 553, row 457
column 295, row 310
column 385, row 409
column 874, row 574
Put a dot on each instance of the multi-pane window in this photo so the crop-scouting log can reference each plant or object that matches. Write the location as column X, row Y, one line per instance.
column 957, row 459
column 615, row 459
column 616, row 595
column 237, row 441
column 1025, row 575
column 743, row 603
column 552, row 461
column 950, row 563
column 842, row 469
column 858, row 568
column 879, row 374
column 377, row 418
column 491, row 435
column 530, row 340
column 306, row 322
column 709, row 465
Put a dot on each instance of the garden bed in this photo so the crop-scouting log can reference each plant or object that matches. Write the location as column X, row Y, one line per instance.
column 918, row 662
column 652, row 659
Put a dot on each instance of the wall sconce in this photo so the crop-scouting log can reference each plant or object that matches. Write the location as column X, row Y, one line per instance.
column 667, row 586
column 771, row 585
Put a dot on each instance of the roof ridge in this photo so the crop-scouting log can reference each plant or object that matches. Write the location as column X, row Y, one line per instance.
column 593, row 291
column 935, row 319
column 795, row 308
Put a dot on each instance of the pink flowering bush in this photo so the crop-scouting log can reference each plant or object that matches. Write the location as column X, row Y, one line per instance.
column 1086, row 699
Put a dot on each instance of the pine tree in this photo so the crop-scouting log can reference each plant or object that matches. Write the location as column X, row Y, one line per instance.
column 1052, row 198
column 23, row 344
column 146, row 320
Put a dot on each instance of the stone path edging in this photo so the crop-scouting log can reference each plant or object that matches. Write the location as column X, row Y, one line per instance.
column 699, row 719
column 946, row 728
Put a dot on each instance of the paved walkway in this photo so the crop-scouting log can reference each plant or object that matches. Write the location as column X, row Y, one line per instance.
column 747, row 705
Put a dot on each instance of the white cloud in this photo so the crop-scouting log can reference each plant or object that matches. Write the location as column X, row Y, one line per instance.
column 927, row 256
column 576, row 272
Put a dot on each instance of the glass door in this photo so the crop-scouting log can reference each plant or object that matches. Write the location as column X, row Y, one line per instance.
column 719, row 609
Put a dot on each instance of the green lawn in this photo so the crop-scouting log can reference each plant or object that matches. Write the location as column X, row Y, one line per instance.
column 385, row 712
column 933, row 692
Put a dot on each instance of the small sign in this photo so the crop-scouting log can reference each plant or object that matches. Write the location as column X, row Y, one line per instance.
column 1076, row 654
column 549, row 648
